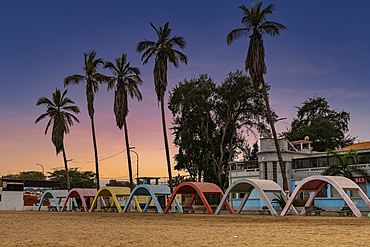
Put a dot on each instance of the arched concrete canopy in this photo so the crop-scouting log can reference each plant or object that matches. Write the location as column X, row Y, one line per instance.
column 314, row 183
column 57, row 195
column 108, row 191
column 247, row 186
column 83, row 194
column 152, row 191
column 200, row 189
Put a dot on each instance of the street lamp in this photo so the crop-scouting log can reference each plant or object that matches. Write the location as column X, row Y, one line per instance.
column 42, row 168
column 137, row 164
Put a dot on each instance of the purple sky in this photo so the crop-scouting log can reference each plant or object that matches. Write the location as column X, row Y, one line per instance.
column 325, row 52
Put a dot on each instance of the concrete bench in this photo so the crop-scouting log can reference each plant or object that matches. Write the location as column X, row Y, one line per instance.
column 264, row 210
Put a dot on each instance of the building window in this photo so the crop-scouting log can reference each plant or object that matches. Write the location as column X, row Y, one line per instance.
column 265, row 170
column 314, row 162
column 305, row 163
column 301, row 163
column 361, row 158
column 274, row 172
column 332, row 160
column 323, row 162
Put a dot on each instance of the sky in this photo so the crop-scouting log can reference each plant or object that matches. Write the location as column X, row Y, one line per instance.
column 325, row 52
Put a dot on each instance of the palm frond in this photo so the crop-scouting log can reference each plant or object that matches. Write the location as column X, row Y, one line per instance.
column 145, row 44
column 150, row 52
column 237, row 34
column 156, row 30
column 271, row 28
column 74, row 79
column 179, row 41
column 109, row 65
column 41, row 117
column 44, row 101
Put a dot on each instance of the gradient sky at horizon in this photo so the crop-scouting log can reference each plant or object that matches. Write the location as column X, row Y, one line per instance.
column 325, row 52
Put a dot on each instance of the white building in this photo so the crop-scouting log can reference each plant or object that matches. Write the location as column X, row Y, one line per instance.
column 23, row 195
column 301, row 162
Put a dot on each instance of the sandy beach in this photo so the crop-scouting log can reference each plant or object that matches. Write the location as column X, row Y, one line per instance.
column 153, row 229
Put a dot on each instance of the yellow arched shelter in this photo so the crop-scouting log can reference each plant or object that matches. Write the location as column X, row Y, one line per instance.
column 108, row 191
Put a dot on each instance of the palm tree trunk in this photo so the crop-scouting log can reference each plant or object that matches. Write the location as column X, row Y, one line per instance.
column 95, row 152
column 66, row 168
column 277, row 146
column 128, row 154
column 166, row 145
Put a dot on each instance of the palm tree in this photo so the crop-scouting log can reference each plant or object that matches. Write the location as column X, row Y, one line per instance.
column 163, row 51
column 255, row 26
column 58, row 110
column 345, row 166
column 92, row 79
column 125, row 81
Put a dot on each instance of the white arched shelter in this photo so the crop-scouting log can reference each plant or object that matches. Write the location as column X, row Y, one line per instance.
column 314, row 183
column 247, row 186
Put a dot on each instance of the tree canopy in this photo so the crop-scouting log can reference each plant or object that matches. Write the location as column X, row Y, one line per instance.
column 325, row 127
column 27, row 175
column 77, row 178
column 210, row 121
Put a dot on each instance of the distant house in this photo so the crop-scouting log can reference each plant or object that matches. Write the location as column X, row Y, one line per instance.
column 301, row 161
column 23, row 195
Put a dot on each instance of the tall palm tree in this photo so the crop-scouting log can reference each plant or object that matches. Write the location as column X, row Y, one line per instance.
column 92, row 79
column 58, row 111
column 163, row 52
column 125, row 81
column 345, row 166
column 256, row 25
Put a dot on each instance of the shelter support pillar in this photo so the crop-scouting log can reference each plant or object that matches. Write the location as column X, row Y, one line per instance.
column 310, row 200
column 245, row 198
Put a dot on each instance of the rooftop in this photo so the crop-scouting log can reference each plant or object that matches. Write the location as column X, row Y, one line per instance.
column 357, row 145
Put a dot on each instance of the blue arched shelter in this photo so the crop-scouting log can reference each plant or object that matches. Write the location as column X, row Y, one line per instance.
column 152, row 191
column 57, row 195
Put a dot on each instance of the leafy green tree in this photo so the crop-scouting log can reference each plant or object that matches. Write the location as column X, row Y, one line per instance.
column 78, row 179
column 92, row 79
column 210, row 121
column 345, row 166
column 27, row 175
column 251, row 154
column 163, row 51
column 256, row 25
column 58, row 111
column 180, row 179
column 126, row 80
column 326, row 128
column 118, row 184
column 189, row 101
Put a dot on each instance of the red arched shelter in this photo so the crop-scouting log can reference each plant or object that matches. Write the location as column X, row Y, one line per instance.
column 200, row 189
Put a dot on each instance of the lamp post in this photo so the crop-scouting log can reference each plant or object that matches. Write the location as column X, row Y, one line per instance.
column 41, row 167
column 137, row 164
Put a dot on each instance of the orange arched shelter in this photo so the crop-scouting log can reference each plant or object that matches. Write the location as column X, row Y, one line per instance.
column 200, row 189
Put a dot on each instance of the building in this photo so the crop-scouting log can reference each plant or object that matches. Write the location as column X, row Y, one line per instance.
column 301, row 162
column 23, row 195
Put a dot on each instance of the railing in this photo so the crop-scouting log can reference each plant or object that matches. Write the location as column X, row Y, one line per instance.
column 251, row 165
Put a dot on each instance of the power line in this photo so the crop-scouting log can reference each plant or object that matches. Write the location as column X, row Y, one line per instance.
column 100, row 159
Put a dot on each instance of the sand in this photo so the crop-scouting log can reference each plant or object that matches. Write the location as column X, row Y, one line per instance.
column 153, row 229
